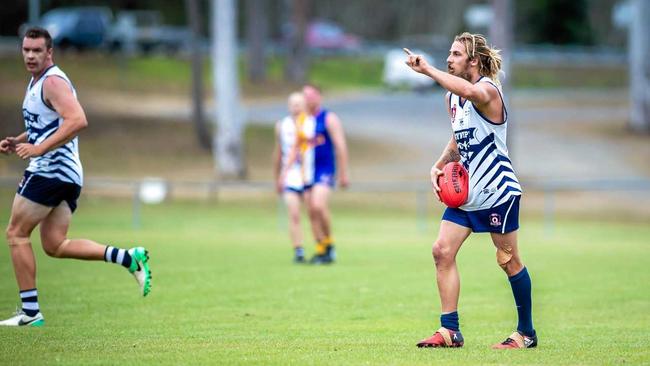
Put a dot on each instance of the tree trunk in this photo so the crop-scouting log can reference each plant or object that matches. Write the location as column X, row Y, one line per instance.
column 296, row 65
column 198, row 117
column 639, row 55
column 229, row 138
column 257, row 30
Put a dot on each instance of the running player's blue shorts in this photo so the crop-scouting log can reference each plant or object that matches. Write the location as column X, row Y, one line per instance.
column 48, row 191
column 326, row 178
column 500, row 219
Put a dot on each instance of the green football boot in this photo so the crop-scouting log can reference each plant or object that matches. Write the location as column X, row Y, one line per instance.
column 140, row 268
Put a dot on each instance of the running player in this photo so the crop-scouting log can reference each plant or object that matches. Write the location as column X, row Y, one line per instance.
column 48, row 193
column 329, row 148
column 289, row 177
column 479, row 121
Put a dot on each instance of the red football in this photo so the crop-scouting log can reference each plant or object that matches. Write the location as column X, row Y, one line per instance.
column 454, row 184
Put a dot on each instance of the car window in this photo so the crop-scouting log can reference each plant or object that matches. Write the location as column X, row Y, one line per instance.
column 58, row 18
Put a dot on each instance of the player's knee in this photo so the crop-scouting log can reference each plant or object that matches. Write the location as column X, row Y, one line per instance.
column 49, row 249
column 294, row 217
column 317, row 209
column 55, row 247
column 15, row 237
column 441, row 252
column 509, row 263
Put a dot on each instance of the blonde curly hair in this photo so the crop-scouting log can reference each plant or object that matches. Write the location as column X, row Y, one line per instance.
column 489, row 58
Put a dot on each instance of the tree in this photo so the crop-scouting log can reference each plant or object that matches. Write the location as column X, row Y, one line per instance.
column 256, row 34
column 296, row 65
column 194, row 20
column 555, row 21
column 229, row 152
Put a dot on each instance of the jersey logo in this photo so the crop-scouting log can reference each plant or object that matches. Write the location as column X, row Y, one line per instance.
column 495, row 219
column 463, row 138
column 453, row 113
column 30, row 118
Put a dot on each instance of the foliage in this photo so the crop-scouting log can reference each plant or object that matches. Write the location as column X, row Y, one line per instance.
column 555, row 22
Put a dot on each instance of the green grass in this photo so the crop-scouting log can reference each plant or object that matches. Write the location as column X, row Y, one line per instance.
column 569, row 76
column 164, row 75
column 225, row 292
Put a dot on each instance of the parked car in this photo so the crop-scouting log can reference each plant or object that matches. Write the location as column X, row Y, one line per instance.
column 328, row 35
column 143, row 30
column 324, row 36
column 78, row 27
column 398, row 75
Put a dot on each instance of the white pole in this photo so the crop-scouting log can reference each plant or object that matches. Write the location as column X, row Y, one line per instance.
column 639, row 55
column 228, row 153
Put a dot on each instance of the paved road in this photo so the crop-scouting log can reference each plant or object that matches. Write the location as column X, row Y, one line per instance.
column 569, row 134
column 550, row 132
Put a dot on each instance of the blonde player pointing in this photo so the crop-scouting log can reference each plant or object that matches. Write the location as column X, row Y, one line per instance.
column 479, row 121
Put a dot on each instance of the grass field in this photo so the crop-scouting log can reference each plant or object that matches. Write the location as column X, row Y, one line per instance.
column 169, row 75
column 226, row 292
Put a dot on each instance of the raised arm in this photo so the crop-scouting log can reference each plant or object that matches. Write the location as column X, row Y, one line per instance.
column 479, row 94
column 58, row 93
column 335, row 130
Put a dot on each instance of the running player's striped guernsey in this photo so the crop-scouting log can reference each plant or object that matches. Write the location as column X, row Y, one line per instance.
column 483, row 152
column 41, row 121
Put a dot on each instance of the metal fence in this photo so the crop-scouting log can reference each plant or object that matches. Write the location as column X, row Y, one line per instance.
column 151, row 190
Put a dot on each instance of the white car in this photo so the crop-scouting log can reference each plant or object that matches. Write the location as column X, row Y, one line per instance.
column 398, row 75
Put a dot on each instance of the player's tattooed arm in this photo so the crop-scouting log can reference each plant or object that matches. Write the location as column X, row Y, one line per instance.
column 451, row 155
